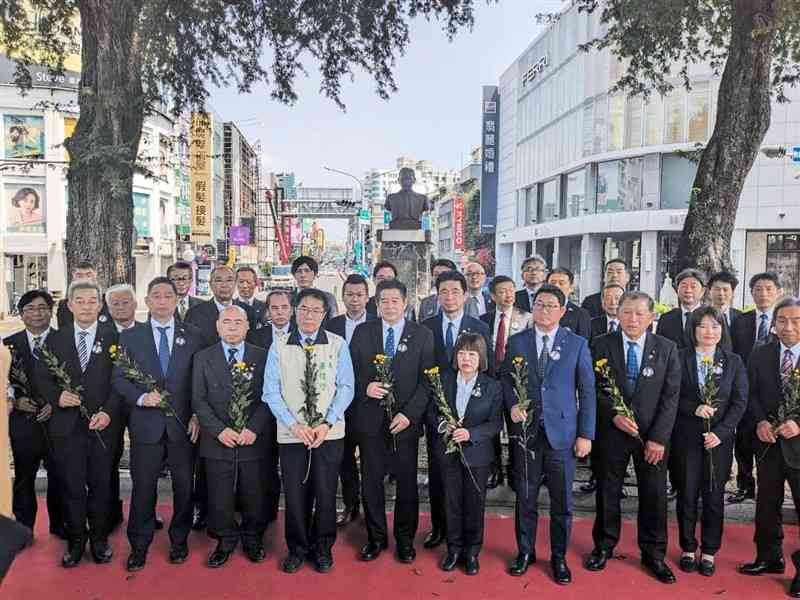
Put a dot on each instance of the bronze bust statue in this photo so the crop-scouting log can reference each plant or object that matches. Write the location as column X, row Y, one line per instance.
column 406, row 205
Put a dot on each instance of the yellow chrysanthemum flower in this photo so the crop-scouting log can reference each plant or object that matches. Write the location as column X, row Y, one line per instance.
column 601, row 363
column 708, row 360
column 240, row 366
column 112, row 349
column 517, row 360
column 380, row 359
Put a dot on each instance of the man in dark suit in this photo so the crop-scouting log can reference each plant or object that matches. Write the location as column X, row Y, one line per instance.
column 391, row 444
column 233, row 454
column 163, row 348
column 748, row 331
column 182, row 275
column 559, row 371
column 647, row 370
column 479, row 301
column 575, row 318
column 354, row 293
column 608, row 322
column 83, row 271
column 721, row 287
column 83, row 443
column 27, row 423
column 451, row 290
column 246, row 286
column 770, row 370
column 615, row 272
column 690, row 285
column 305, row 271
column 386, row 270
column 534, row 275
column 429, row 306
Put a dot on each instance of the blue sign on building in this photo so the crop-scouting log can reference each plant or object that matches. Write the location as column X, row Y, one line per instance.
column 796, row 154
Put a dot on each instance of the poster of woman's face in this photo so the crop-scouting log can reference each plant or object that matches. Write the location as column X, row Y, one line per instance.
column 24, row 136
column 25, row 208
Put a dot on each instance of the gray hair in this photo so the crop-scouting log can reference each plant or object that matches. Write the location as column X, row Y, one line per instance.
column 84, row 284
column 787, row 302
column 535, row 258
column 636, row 296
column 119, row 288
column 234, row 307
column 693, row 273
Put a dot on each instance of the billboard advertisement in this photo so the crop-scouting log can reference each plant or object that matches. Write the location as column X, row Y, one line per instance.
column 458, row 223
column 200, row 164
column 490, row 138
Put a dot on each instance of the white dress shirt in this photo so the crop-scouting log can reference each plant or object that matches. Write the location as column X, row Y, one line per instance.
column 157, row 334
column 351, row 324
column 456, row 326
column 220, row 306
column 280, row 332
column 42, row 337
column 551, row 336
column 639, row 348
column 92, row 331
column 398, row 331
column 120, row 328
column 509, row 314
column 464, row 393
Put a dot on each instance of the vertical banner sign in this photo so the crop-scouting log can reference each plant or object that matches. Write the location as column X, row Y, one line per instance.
column 200, row 163
column 490, row 137
column 458, row 223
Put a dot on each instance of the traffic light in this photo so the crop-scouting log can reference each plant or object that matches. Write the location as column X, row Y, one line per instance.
column 368, row 235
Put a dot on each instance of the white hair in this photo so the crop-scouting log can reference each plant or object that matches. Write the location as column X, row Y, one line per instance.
column 118, row 288
column 235, row 307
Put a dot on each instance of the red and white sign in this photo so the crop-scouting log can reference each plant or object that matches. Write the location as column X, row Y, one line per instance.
column 458, row 223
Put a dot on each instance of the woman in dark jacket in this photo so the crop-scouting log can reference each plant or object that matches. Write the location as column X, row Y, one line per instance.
column 703, row 437
column 475, row 400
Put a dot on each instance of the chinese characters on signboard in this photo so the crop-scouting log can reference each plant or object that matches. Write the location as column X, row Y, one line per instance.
column 141, row 214
column 490, row 130
column 458, row 223
column 200, row 162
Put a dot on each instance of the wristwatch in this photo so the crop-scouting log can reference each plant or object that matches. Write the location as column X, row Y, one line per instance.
column 329, row 424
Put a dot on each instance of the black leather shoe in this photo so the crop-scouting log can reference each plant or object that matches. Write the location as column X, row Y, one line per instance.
column 323, row 563
column 199, row 519
column 406, row 554
column 292, row 563
column 794, row 588
column 101, row 552
column 672, row 493
column 740, row 495
column 218, row 558
column 659, row 569
column 178, row 554
column 520, row 566
column 759, row 567
column 373, row 550
column 348, row 515
column 495, row 479
column 589, row 487
column 73, row 555
column 687, row 564
column 561, row 573
column 598, row 559
column 471, row 565
column 706, row 568
column 255, row 554
column 450, row 561
column 434, row 539
column 159, row 523
column 136, row 562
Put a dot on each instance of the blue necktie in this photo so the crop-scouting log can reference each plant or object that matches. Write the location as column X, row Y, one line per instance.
column 231, row 357
column 544, row 355
column 631, row 368
column 388, row 345
column 448, row 342
column 163, row 350
column 761, row 338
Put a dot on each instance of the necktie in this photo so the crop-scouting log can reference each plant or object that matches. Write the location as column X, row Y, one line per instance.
column 308, row 341
column 761, row 338
column 448, row 342
column 83, row 351
column 544, row 355
column 183, row 309
column 686, row 315
column 163, row 350
column 473, row 309
column 388, row 345
column 787, row 364
column 631, row 368
column 612, row 327
column 37, row 346
column 231, row 357
column 279, row 333
column 500, row 344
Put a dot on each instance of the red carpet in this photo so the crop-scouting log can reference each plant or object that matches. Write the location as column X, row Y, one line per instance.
column 36, row 573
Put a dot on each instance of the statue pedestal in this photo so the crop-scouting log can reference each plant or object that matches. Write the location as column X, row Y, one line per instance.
column 409, row 252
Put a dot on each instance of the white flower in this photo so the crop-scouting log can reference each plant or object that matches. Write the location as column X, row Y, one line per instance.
column 180, row 341
column 98, row 348
column 717, row 370
column 476, row 392
column 647, row 372
column 555, row 353
column 401, row 347
column 102, row 318
column 514, row 325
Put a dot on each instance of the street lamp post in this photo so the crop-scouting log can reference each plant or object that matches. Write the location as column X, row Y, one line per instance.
column 359, row 228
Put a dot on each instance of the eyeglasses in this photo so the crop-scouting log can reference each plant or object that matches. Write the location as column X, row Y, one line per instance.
column 304, row 310
column 32, row 309
column 546, row 307
column 475, row 274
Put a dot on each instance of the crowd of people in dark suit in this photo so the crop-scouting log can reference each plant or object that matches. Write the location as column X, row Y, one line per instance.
column 239, row 399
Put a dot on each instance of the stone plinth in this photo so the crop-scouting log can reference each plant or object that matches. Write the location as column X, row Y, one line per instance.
column 410, row 253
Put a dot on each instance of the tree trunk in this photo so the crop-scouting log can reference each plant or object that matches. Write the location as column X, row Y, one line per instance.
column 105, row 143
column 743, row 117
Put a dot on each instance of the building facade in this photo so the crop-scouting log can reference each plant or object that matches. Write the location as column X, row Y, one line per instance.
column 586, row 175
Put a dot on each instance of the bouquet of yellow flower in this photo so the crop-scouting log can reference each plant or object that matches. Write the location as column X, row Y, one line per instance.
column 241, row 378
column 609, row 387
column 519, row 375
column 448, row 423
column 383, row 366
column 789, row 407
column 309, row 411
column 708, row 395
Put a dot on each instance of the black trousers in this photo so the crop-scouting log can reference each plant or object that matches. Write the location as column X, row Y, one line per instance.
column 745, row 451
column 272, row 481
column 559, row 467
column 311, row 506
column 691, row 469
column 199, row 484
column 617, row 450
column 378, row 458
column 30, row 446
column 465, row 503
column 146, row 462
column 497, row 465
column 84, row 477
column 773, row 473
column 351, row 480
column 250, row 483
column 115, row 496
column 435, row 483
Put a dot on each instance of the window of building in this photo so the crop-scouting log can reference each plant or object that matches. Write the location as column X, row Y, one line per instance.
column 549, row 203
column 600, row 118
column 654, row 121
column 633, row 122
column 783, row 258
column 531, row 213
column 699, row 107
column 575, row 193
column 615, row 118
column 588, row 128
column 677, row 177
column 675, row 110
column 619, row 185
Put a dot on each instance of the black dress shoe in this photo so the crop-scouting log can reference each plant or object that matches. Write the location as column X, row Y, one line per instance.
column 495, row 479
column 590, row 486
column 687, row 564
column 520, row 566
column 598, row 559
column 101, row 552
column 218, row 558
column 323, row 563
column 706, row 568
column 471, row 565
column 759, row 567
column 348, row 515
column 561, row 573
column 433, row 539
column 73, row 555
column 672, row 493
column 292, row 563
column 740, row 495
column 450, row 561
column 373, row 550
column 136, row 562
column 659, row 569
column 159, row 523
column 406, row 554
column 178, row 554
column 794, row 588
column 255, row 554
column 199, row 519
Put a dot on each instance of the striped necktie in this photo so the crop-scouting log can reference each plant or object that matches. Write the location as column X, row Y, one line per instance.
column 83, row 350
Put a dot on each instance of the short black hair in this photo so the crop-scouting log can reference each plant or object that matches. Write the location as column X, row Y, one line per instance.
column 471, row 342
column 181, row 265
column 693, row 273
column 616, row 260
column 766, row 276
column 279, row 292
column 355, row 279
column 452, row 276
column 161, row 280
column 32, row 295
column 443, row 262
column 84, row 264
column 552, row 290
column 391, row 284
column 497, row 280
column 384, row 264
column 562, row 271
column 724, row 277
column 312, row 293
column 697, row 317
column 305, row 260
column 787, row 302
column 612, row 286
column 247, row 269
